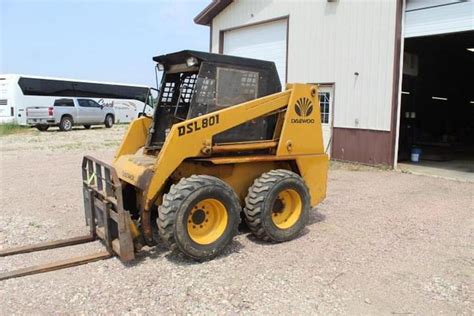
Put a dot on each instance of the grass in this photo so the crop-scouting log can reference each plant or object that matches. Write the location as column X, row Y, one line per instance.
column 11, row 128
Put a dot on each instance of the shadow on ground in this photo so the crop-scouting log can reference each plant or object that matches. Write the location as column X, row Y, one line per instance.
column 314, row 217
column 177, row 257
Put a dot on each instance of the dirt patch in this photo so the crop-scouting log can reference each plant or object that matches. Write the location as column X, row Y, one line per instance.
column 381, row 243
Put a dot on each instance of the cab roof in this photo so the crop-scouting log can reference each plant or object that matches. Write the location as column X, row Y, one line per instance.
column 180, row 58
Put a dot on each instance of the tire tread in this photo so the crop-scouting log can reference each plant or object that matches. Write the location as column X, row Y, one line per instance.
column 174, row 198
column 256, row 196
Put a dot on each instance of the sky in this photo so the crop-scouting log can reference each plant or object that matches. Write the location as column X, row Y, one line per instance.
column 101, row 40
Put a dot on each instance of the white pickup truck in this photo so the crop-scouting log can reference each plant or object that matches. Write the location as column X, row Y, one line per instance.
column 67, row 112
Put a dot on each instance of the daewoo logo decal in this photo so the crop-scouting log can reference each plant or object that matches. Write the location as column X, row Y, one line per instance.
column 303, row 108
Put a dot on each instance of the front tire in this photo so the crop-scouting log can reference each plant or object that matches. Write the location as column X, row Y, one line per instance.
column 277, row 206
column 42, row 128
column 66, row 124
column 200, row 216
column 109, row 121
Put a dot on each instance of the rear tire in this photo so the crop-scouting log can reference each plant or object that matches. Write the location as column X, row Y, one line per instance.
column 200, row 216
column 277, row 206
column 87, row 126
column 66, row 124
column 42, row 128
column 109, row 121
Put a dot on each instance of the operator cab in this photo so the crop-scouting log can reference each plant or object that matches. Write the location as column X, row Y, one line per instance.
column 196, row 83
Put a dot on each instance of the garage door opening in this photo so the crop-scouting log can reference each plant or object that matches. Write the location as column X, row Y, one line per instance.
column 264, row 40
column 437, row 106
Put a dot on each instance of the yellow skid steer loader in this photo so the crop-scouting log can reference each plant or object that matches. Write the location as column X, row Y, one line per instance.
column 224, row 143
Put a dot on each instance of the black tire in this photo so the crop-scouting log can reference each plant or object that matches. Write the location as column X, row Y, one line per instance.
column 109, row 121
column 180, row 207
column 87, row 126
column 42, row 128
column 66, row 123
column 264, row 203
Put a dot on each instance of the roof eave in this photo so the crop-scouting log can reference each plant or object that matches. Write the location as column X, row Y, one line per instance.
column 211, row 11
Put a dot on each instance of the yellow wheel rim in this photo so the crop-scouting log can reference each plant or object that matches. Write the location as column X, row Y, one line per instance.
column 287, row 209
column 207, row 221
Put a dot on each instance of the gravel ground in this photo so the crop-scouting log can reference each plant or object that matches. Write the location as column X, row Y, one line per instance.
column 382, row 242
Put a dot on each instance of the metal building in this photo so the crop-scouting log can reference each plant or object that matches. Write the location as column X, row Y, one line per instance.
column 354, row 49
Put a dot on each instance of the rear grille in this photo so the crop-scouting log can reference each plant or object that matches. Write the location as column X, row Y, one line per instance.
column 3, row 102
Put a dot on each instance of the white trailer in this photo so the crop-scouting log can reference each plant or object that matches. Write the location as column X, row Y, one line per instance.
column 18, row 92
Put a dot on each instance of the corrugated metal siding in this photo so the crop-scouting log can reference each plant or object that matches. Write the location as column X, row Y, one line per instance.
column 329, row 42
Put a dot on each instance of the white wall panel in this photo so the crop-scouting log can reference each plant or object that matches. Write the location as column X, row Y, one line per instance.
column 328, row 43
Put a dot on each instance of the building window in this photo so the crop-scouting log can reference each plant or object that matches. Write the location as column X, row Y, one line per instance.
column 324, row 99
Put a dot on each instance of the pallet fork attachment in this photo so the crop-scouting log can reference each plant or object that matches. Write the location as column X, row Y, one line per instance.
column 103, row 206
column 105, row 216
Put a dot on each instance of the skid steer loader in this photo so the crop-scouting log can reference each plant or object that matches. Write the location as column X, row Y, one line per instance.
column 224, row 143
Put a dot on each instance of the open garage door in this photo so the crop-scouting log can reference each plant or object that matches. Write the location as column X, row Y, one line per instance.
column 436, row 134
column 265, row 41
column 433, row 17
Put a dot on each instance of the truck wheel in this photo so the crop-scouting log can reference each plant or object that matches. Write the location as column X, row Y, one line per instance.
column 87, row 126
column 42, row 128
column 200, row 216
column 65, row 124
column 109, row 121
column 277, row 206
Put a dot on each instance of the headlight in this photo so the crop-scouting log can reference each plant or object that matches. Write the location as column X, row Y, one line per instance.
column 191, row 61
column 160, row 67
